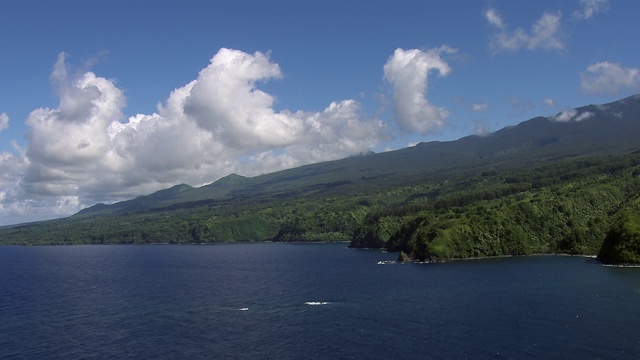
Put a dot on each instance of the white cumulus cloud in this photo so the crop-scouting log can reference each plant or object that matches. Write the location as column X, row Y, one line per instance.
column 583, row 116
column 550, row 102
column 609, row 78
column 85, row 150
column 479, row 107
column 13, row 204
column 572, row 115
column 407, row 71
column 4, row 121
column 481, row 128
column 590, row 8
column 545, row 34
column 495, row 19
column 565, row 116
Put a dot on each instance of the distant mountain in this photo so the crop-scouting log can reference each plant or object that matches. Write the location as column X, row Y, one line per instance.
column 608, row 129
column 568, row 183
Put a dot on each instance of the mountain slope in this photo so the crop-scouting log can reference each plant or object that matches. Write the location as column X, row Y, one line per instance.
column 612, row 129
column 540, row 186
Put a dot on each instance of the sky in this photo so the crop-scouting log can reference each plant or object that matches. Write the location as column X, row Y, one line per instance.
column 102, row 101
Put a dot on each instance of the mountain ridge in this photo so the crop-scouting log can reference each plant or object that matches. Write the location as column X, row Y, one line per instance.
column 542, row 186
column 542, row 137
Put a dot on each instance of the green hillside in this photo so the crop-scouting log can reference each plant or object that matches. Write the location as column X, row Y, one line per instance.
column 538, row 187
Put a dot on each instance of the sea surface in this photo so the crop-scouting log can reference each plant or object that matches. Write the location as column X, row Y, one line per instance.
column 309, row 301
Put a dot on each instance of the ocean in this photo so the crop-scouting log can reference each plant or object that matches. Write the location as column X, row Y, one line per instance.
column 309, row 301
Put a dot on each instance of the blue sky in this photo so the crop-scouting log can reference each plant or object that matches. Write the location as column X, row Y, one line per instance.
column 103, row 101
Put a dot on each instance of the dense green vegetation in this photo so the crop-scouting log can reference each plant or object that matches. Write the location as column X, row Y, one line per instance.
column 539, row 187
column 564, row 207
column 561, row 207
column 622, row 243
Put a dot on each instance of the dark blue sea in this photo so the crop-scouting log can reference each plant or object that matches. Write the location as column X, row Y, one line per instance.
column 309, row 301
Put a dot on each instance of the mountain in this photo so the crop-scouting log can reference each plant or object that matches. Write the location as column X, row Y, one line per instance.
column 337, row 200
column 612, row 128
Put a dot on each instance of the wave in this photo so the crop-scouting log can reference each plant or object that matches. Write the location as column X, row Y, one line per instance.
column 316, row 303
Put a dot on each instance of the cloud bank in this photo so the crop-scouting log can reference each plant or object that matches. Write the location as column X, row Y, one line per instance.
column 609, row 78
column 572, row 115
column 407, row 71
column 85, row 150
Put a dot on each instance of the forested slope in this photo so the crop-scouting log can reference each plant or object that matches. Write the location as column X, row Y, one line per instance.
column 563, row 207
column 542, row 186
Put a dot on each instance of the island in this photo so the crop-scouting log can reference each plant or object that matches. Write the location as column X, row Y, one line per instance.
column 540, row 187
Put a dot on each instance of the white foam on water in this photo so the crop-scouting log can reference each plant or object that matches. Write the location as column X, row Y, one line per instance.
column 316, row 303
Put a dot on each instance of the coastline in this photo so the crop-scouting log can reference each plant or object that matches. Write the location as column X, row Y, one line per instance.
column 593, row 257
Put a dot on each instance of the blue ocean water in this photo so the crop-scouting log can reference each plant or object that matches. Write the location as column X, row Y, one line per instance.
column 308, row 301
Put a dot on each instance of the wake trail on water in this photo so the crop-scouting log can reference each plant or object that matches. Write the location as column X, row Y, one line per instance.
column 307, row 303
